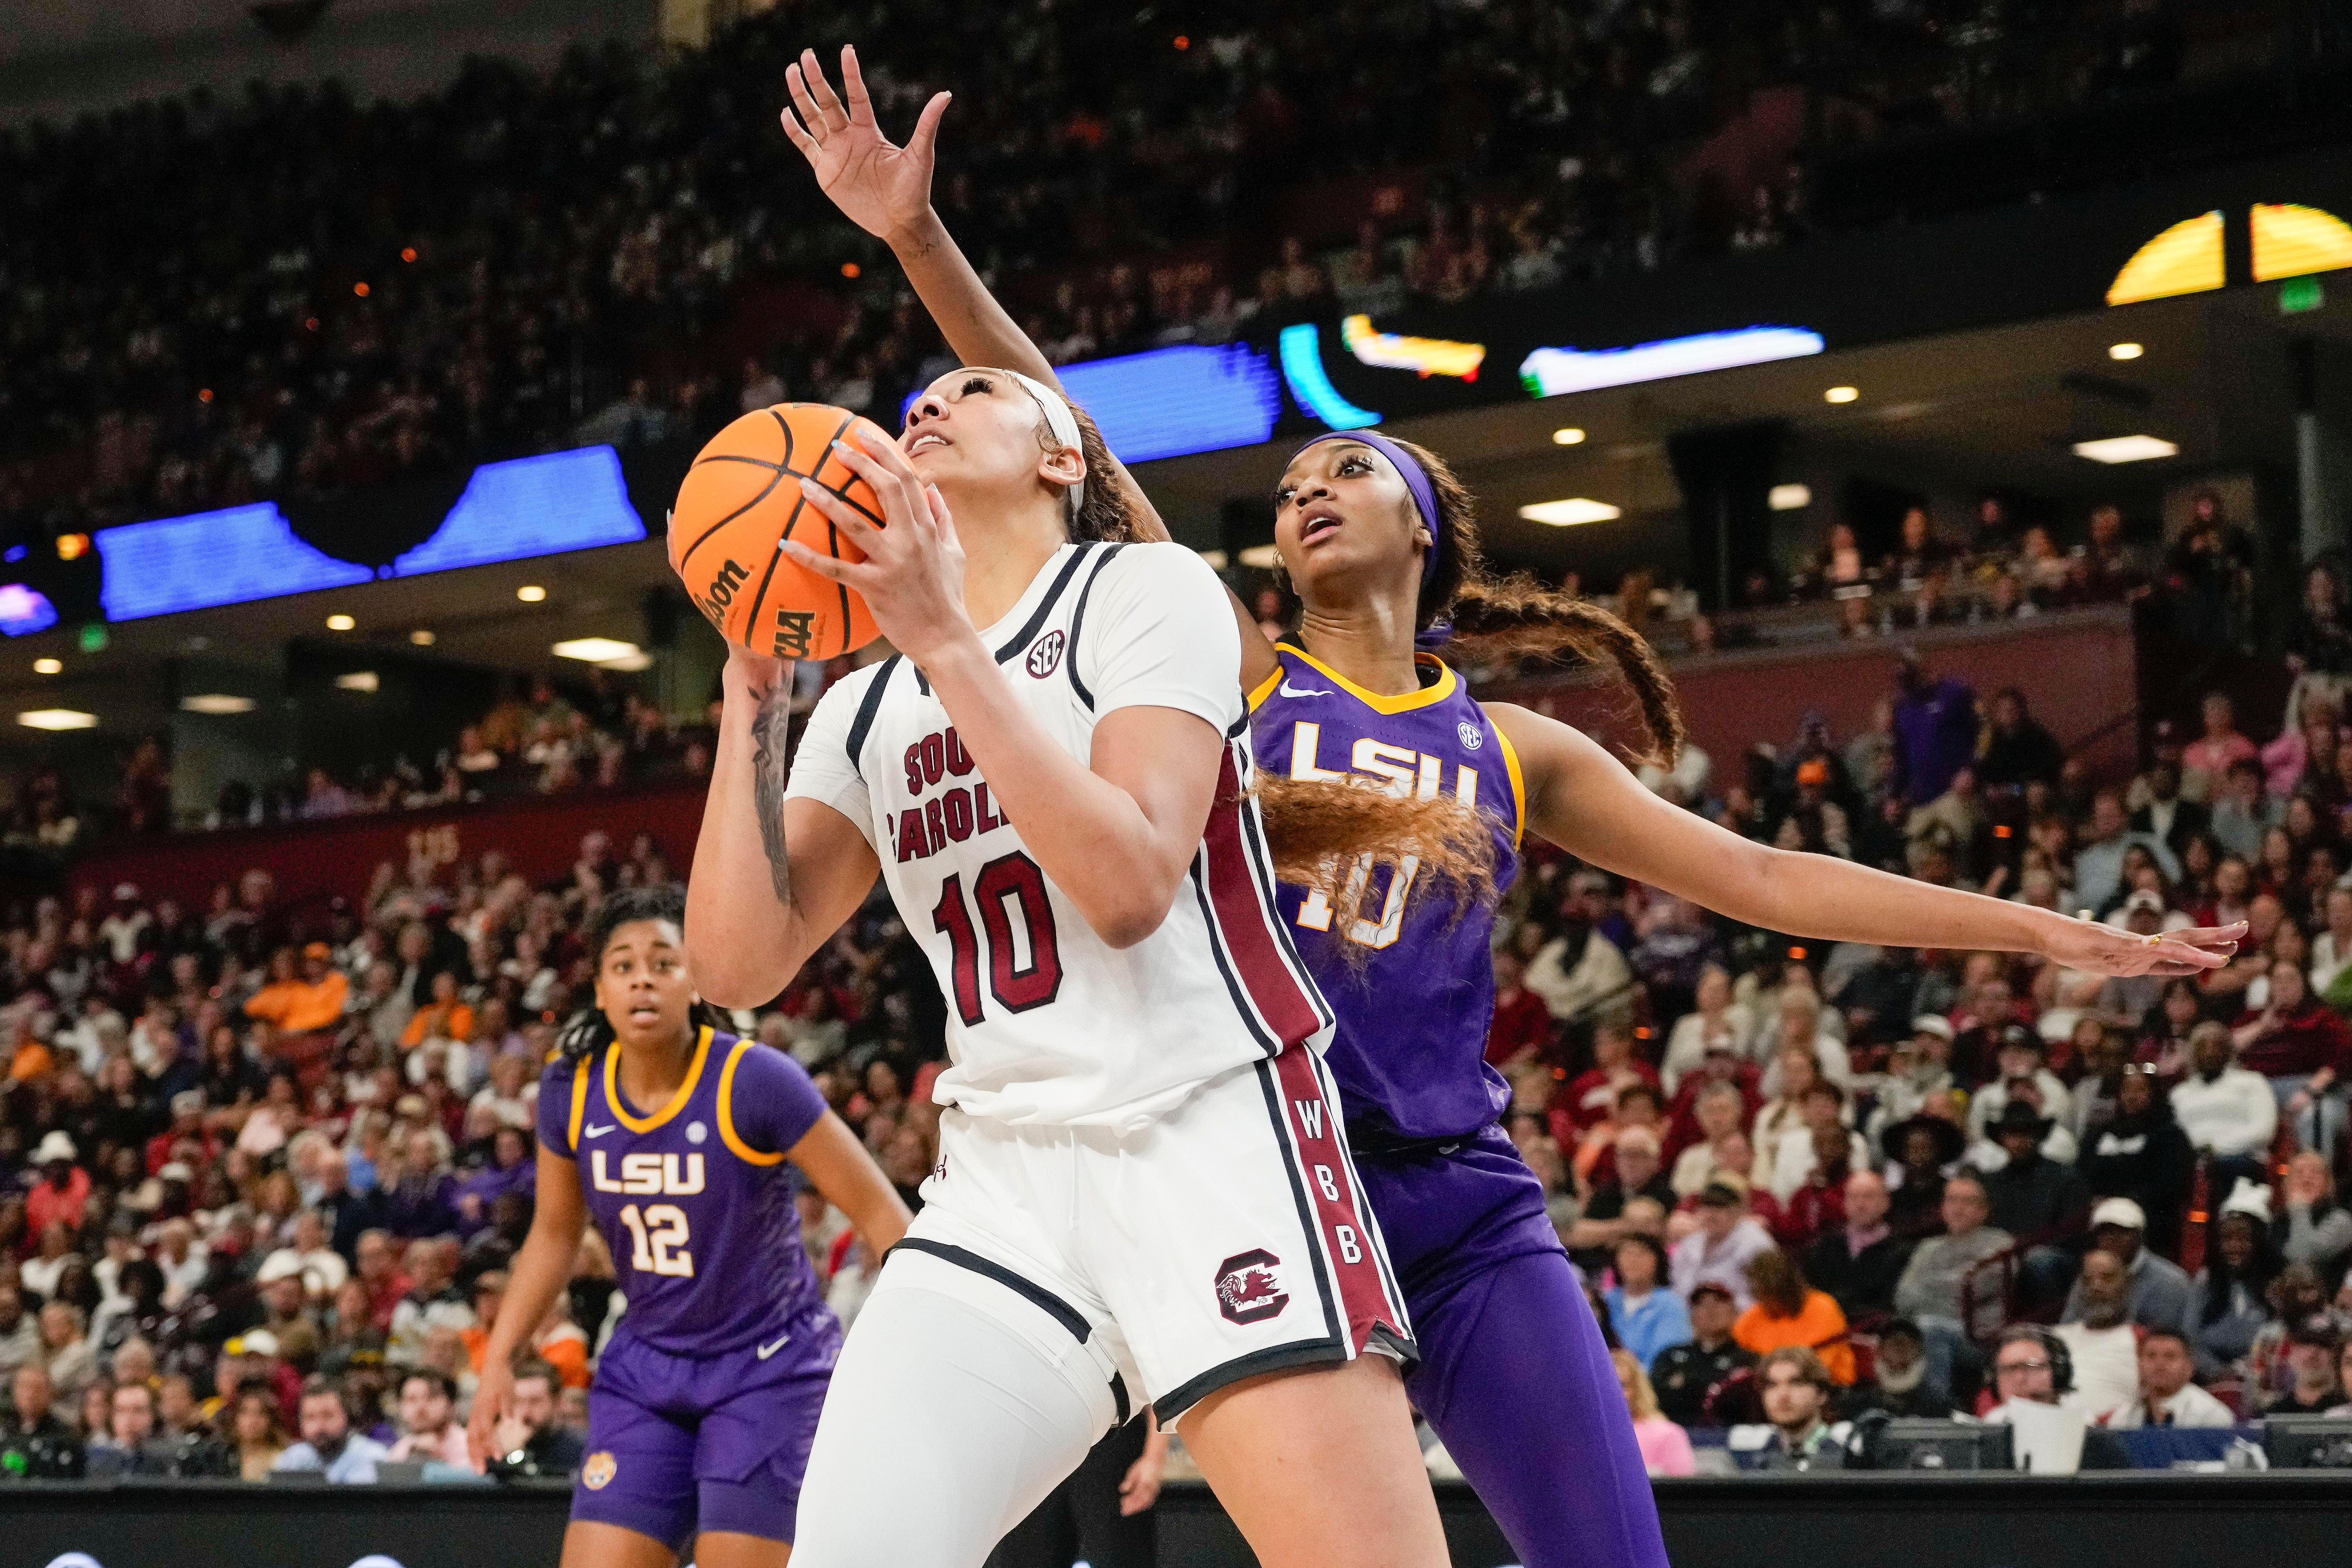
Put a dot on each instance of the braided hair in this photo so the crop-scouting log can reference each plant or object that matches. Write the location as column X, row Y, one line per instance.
column 588, row 1031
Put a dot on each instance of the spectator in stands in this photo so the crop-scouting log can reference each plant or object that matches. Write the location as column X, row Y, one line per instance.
column 2312, row 1348
column 2101, row 1340
column 1521, row 1029
column 1725, row 1241
column 257, row 1432
column 2107, row 841
column 1644, row 1309
column 530, row 1441
column 1899, row 1384
column 1715, row 1023
column 130, row 1446
column 1935, row 721
column 36, row 1443
column 1860, row 1262
column 1796, row 1388
column 2168, row 1396
column 2314, row 1229
column 1666, row 1446
column 2017, row 751
column 1944, row 1287
column 2212, row 754
column 1919, row 1151
column 2160, row 1292
column 2031, row 1367
column 2303, row 1048
column 20, row 1331
column 1637, row 1175
column 2231, row 1295
column 2227, row 1111
column 1688, row 1376
column 2143, row 1154
column 2042, row 1204
column 1788, row 1312
column 428, row 1425
column 329, row 1445
column 62, row 1197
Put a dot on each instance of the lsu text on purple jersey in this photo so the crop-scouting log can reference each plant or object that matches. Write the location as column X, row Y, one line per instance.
column 1413, row 987
column 695, row 1198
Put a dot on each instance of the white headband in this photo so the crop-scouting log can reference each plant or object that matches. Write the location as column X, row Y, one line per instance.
column 1064, row 423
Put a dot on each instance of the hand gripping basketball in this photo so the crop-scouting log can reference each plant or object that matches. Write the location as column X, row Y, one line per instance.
column 909, row 573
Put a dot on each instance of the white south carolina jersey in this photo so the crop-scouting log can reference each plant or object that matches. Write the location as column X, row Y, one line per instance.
column 1047, row 1023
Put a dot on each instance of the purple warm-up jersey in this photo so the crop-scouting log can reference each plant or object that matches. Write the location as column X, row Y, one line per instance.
column 1414, row 990
column 694, row 1197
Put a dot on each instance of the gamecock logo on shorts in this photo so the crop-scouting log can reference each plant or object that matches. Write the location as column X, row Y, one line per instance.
column 1248, row 1289
column 597, row 1473
column 1045, row 654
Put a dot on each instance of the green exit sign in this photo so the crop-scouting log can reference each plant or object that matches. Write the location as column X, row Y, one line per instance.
column 2299, row 294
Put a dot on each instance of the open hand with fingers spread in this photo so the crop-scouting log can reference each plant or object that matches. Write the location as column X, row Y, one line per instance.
column 912, row 576
column 884, row 188
column 2101, row 949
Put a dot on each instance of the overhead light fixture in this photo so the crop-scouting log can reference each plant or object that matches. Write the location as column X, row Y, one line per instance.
column 1215, row 558
column 1791, row 498
column 58, row 719
column 2125, row 351
column 628, row 663
column 215, row 702
column 530, row 592
column 48, row 666
column 1265, row 557
column 1840, row 395
column 1568, row 513
column 421, row 637
column 358, row 681
column 340, row 623
column 595, row 650
column 1568, row 435
column 2127, row 450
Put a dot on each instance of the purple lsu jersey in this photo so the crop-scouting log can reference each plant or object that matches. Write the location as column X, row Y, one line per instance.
column 1413, row 985
column 695, row 1198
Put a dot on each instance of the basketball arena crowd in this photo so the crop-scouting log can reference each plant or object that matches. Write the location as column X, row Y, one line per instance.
column 217, row 298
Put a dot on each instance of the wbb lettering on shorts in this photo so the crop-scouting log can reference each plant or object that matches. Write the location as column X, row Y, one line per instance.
column 1402, row 771
column 647, row 1174
column 713, row 605
column 958, row 812
column 794, row 631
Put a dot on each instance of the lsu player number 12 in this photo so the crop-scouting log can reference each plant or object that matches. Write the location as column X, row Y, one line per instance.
column 680, row 1142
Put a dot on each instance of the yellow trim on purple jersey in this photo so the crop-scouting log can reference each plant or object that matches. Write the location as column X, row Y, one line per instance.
column 1265, row 688
column 676, row 1102
column 1403, row 702
column 1519, row 783
column 579, row 1102
column 726, row 1134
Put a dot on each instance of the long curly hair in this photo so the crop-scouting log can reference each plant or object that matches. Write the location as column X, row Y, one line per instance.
column 588, row 1031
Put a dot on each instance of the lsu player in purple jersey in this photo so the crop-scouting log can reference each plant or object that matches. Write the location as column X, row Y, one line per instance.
column 681, row 1143
column 1379, row 540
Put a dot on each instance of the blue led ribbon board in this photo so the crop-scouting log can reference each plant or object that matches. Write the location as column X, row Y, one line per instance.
column 212, row 558
column 1550, row 372
column 1172, row 402
column 509, row 511
column 531, row 505
column 1302, row 366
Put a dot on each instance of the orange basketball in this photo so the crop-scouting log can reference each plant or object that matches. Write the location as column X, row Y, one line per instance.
column 741, row 499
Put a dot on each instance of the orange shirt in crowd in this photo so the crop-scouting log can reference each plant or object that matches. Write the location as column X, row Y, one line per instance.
column 435, row 1022
column 33, row 1059
column 1820, row 1328
column 299, row 1008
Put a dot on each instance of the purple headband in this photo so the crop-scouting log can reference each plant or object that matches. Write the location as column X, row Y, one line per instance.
column 1417, row 480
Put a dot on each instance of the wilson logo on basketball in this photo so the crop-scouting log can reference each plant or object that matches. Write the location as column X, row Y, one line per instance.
column 1045, row 654
column 1248, row 1289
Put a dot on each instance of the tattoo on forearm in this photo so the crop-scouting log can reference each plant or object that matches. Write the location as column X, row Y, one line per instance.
column 771, row 720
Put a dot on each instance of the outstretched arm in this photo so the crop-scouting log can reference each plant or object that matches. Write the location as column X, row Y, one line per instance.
column 1582, row 799
column 886, row 190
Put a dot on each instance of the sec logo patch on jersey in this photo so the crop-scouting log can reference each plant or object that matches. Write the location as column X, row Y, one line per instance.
column 1045, row 654
column 1249, row 1289
column 597, row 1471
column 1469, row 734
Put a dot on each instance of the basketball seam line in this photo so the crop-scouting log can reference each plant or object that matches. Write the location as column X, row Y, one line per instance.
column 765, row 490
column 752, row 618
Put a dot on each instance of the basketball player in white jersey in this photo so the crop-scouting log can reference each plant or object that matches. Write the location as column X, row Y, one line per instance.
column 1144, row 1193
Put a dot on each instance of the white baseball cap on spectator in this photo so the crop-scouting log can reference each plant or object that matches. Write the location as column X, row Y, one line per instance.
column 1933, row 1024
column 58, row 1145
column 2121, row 1213
column 253, row 1341
column 283, row 1264
column 188, row 1102
column 175, row 1171
column 2250, row 1198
